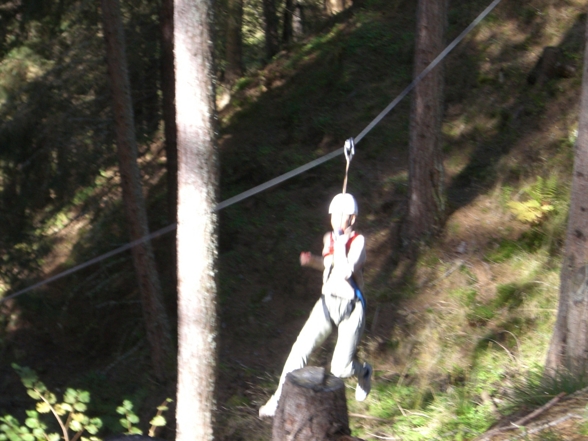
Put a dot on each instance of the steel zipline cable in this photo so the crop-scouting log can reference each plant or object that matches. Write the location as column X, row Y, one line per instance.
column 278, row 180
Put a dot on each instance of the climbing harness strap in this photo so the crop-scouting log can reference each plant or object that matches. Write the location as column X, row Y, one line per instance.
column 331, row 249
column 350, row 306
column 358, row 294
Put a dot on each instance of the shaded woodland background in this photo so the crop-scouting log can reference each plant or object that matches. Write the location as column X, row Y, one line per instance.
column 451, row 330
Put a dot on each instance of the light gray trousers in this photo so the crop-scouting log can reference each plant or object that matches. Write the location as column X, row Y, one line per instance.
column 328, row 311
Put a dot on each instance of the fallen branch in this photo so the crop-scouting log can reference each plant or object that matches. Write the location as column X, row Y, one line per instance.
column 552, row 424
column 369, row 417
column 393, row 438
column 539, row 411
column 524, row 420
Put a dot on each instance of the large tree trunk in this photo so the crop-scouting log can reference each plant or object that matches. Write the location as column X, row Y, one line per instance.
column 196, row 234
column 234, row 48
column 272, row 42
column 168, row 92
column 156, row 321
column 168, row 95
column 426, row 203
column 569, row 343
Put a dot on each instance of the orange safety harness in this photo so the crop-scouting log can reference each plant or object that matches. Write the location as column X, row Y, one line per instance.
column 331, row 249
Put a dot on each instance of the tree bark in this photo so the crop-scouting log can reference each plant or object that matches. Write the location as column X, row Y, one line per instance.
column 287, row 30
column 312, row 407
column 426, row 205
column 335, row 6
column 168, row 96
column 234, row 48
column 569, row 343
column 196, row 233
column 168, row 92
column 272, row 42
column 156, row 321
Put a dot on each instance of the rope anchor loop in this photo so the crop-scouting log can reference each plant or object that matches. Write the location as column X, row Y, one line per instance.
column 349, row 150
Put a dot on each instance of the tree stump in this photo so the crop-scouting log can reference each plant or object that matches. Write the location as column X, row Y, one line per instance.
column 312, row 407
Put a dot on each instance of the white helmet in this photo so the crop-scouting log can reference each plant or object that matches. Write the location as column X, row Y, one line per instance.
column 343, row 203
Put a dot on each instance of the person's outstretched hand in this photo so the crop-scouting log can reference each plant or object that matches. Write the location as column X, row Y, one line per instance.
column 305, row 258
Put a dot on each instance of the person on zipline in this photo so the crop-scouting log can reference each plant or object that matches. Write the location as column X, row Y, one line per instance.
column 341, row 304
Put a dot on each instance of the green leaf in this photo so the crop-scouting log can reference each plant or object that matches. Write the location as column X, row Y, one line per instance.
column 92, row 430
column 80, row 407
column 133, row 419
column 70, row 396
column 123, row 422
column 79, row 417
column 43, row 407
column 53, row 437
column 32, row 423
column 136, row 431
column 158, row 421
column 28, row 437
column 33, row 394
column 84, row 396
column 96, row 422
column 76, row 426
column 51, row 398
column 27, row 376
column 164, row 407
column 128, row 405
column 120, row 410
column 3, row 437
column 39, row 433
column 40, row 387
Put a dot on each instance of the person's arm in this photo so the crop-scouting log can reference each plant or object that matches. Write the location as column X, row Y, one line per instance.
column 317, row 262
column 310, row 260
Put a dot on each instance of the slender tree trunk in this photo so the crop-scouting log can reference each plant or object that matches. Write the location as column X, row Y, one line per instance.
column 426, row 204
column 156, row 322
column 569, row 343
column 196, row 242
column 287, row 30
column 234, row 52
column 272, row 41
column 168, row 90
